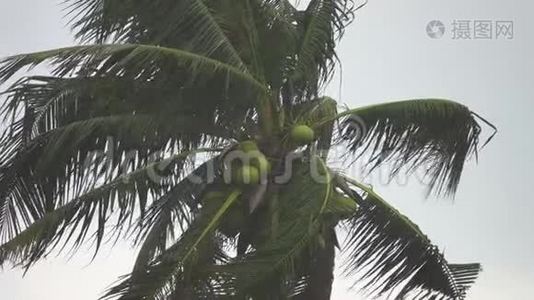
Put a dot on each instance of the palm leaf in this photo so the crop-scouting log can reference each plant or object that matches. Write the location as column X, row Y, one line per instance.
column 40, row 174
column 174, row 210
column 280, row 17
column 161, row 22
column 278, row 264
column 77, row 217
column 323, row 22
column 439, row 135
column 391, row 255
column 139, row 61
column 161, row 276
column 62, row 124
column 42, row 103
column 177, row 78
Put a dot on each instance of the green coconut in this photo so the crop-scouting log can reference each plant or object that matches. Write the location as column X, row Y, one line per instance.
column 258, row 160
column 247, row 174
column 343, row 207
column 248, row 146
column 302, row 135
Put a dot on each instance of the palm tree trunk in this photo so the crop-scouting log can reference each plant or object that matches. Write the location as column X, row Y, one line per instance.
column 322, row 272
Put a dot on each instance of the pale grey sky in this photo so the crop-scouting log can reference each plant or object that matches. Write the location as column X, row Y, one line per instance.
column 386, row 55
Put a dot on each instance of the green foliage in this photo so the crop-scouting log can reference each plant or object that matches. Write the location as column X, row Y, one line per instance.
column 439, row 135
column 391, row 255
column 130, row 134
column 92, row 211
column 281, row 263
column 246, row 174
column 174, row 263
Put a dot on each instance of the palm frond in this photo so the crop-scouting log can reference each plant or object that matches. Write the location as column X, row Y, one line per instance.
column 65, row 142
column 55, row 121
column 281, row 261
column 121, row 198
column 323, row 22
column 439, row 135
column 186, row 24
column 172, row 214
column 41, row 174
column 43, row 103
column 279, row 18
column 138, row 62
column 391, row 255
column 159, row 279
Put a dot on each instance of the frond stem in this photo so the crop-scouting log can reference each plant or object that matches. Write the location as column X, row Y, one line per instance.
column 383, row 202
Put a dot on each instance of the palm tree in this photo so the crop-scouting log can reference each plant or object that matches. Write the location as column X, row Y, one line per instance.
column 130, row 136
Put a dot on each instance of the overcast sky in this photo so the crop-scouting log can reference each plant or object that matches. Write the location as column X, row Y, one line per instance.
column 386, row 55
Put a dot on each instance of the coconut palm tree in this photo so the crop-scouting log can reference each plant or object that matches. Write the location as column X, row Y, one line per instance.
column 198, row 130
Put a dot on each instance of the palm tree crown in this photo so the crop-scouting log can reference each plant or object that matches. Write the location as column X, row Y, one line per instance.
column 198, row 129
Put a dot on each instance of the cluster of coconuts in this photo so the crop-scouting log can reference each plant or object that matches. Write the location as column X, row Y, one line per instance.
column 251, row 166
column 254, row 166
